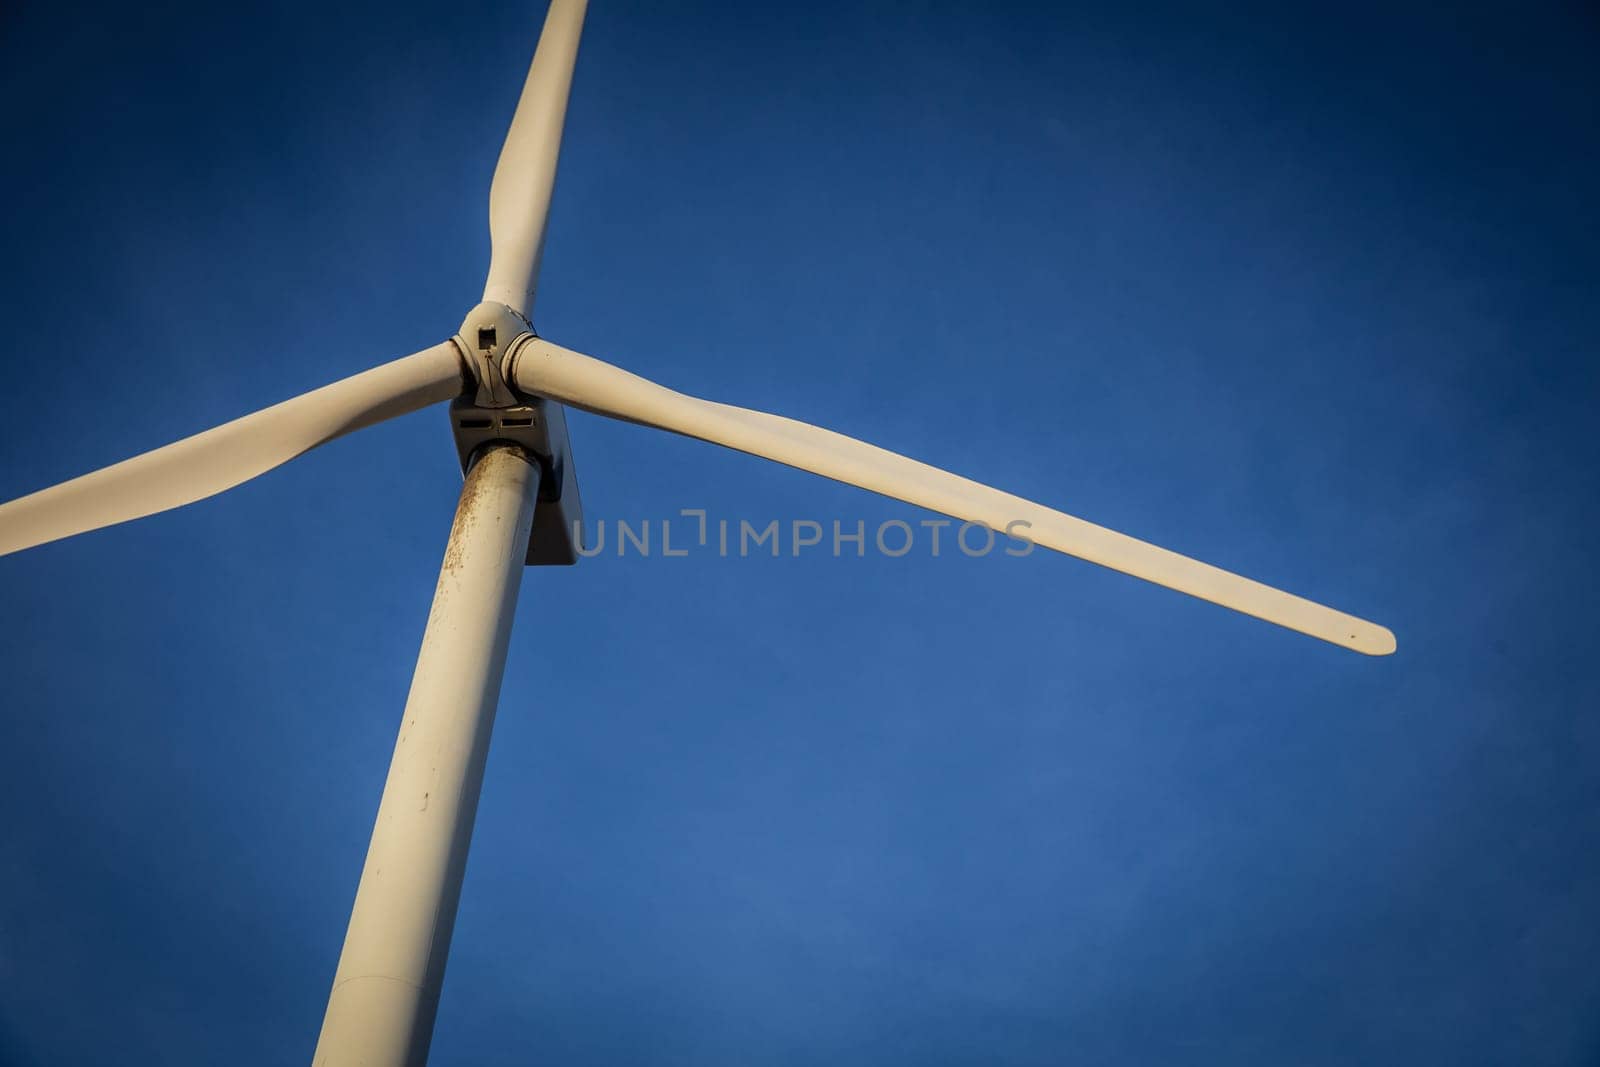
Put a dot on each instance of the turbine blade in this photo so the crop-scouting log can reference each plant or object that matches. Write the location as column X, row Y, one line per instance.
column 593, row 385
column 519, row 196
column 221, row 458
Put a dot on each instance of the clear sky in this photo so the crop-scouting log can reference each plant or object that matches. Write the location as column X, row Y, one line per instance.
column 1308, row 296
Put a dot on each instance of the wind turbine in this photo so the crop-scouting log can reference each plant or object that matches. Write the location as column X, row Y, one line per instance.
column 519, row 504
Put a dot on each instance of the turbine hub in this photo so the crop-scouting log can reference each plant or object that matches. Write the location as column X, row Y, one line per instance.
column 486, row 338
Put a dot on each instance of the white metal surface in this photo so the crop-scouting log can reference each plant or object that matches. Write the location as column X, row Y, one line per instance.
column 386, row 990
column 220, row 458
column 594, row 385
column 525, row 176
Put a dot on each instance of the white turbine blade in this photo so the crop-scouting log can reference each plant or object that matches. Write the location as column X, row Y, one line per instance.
column 588, row 383
column 221, row 458
column 519, row 197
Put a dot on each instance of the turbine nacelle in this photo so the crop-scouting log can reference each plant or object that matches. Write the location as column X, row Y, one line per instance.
column 490, row 410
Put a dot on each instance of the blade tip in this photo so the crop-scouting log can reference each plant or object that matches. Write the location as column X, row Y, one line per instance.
column 1373, row 640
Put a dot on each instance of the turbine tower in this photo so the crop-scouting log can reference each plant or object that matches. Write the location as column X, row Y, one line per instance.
column 519, row 504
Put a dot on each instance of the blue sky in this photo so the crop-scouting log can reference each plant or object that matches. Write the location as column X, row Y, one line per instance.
column 1309, row 296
